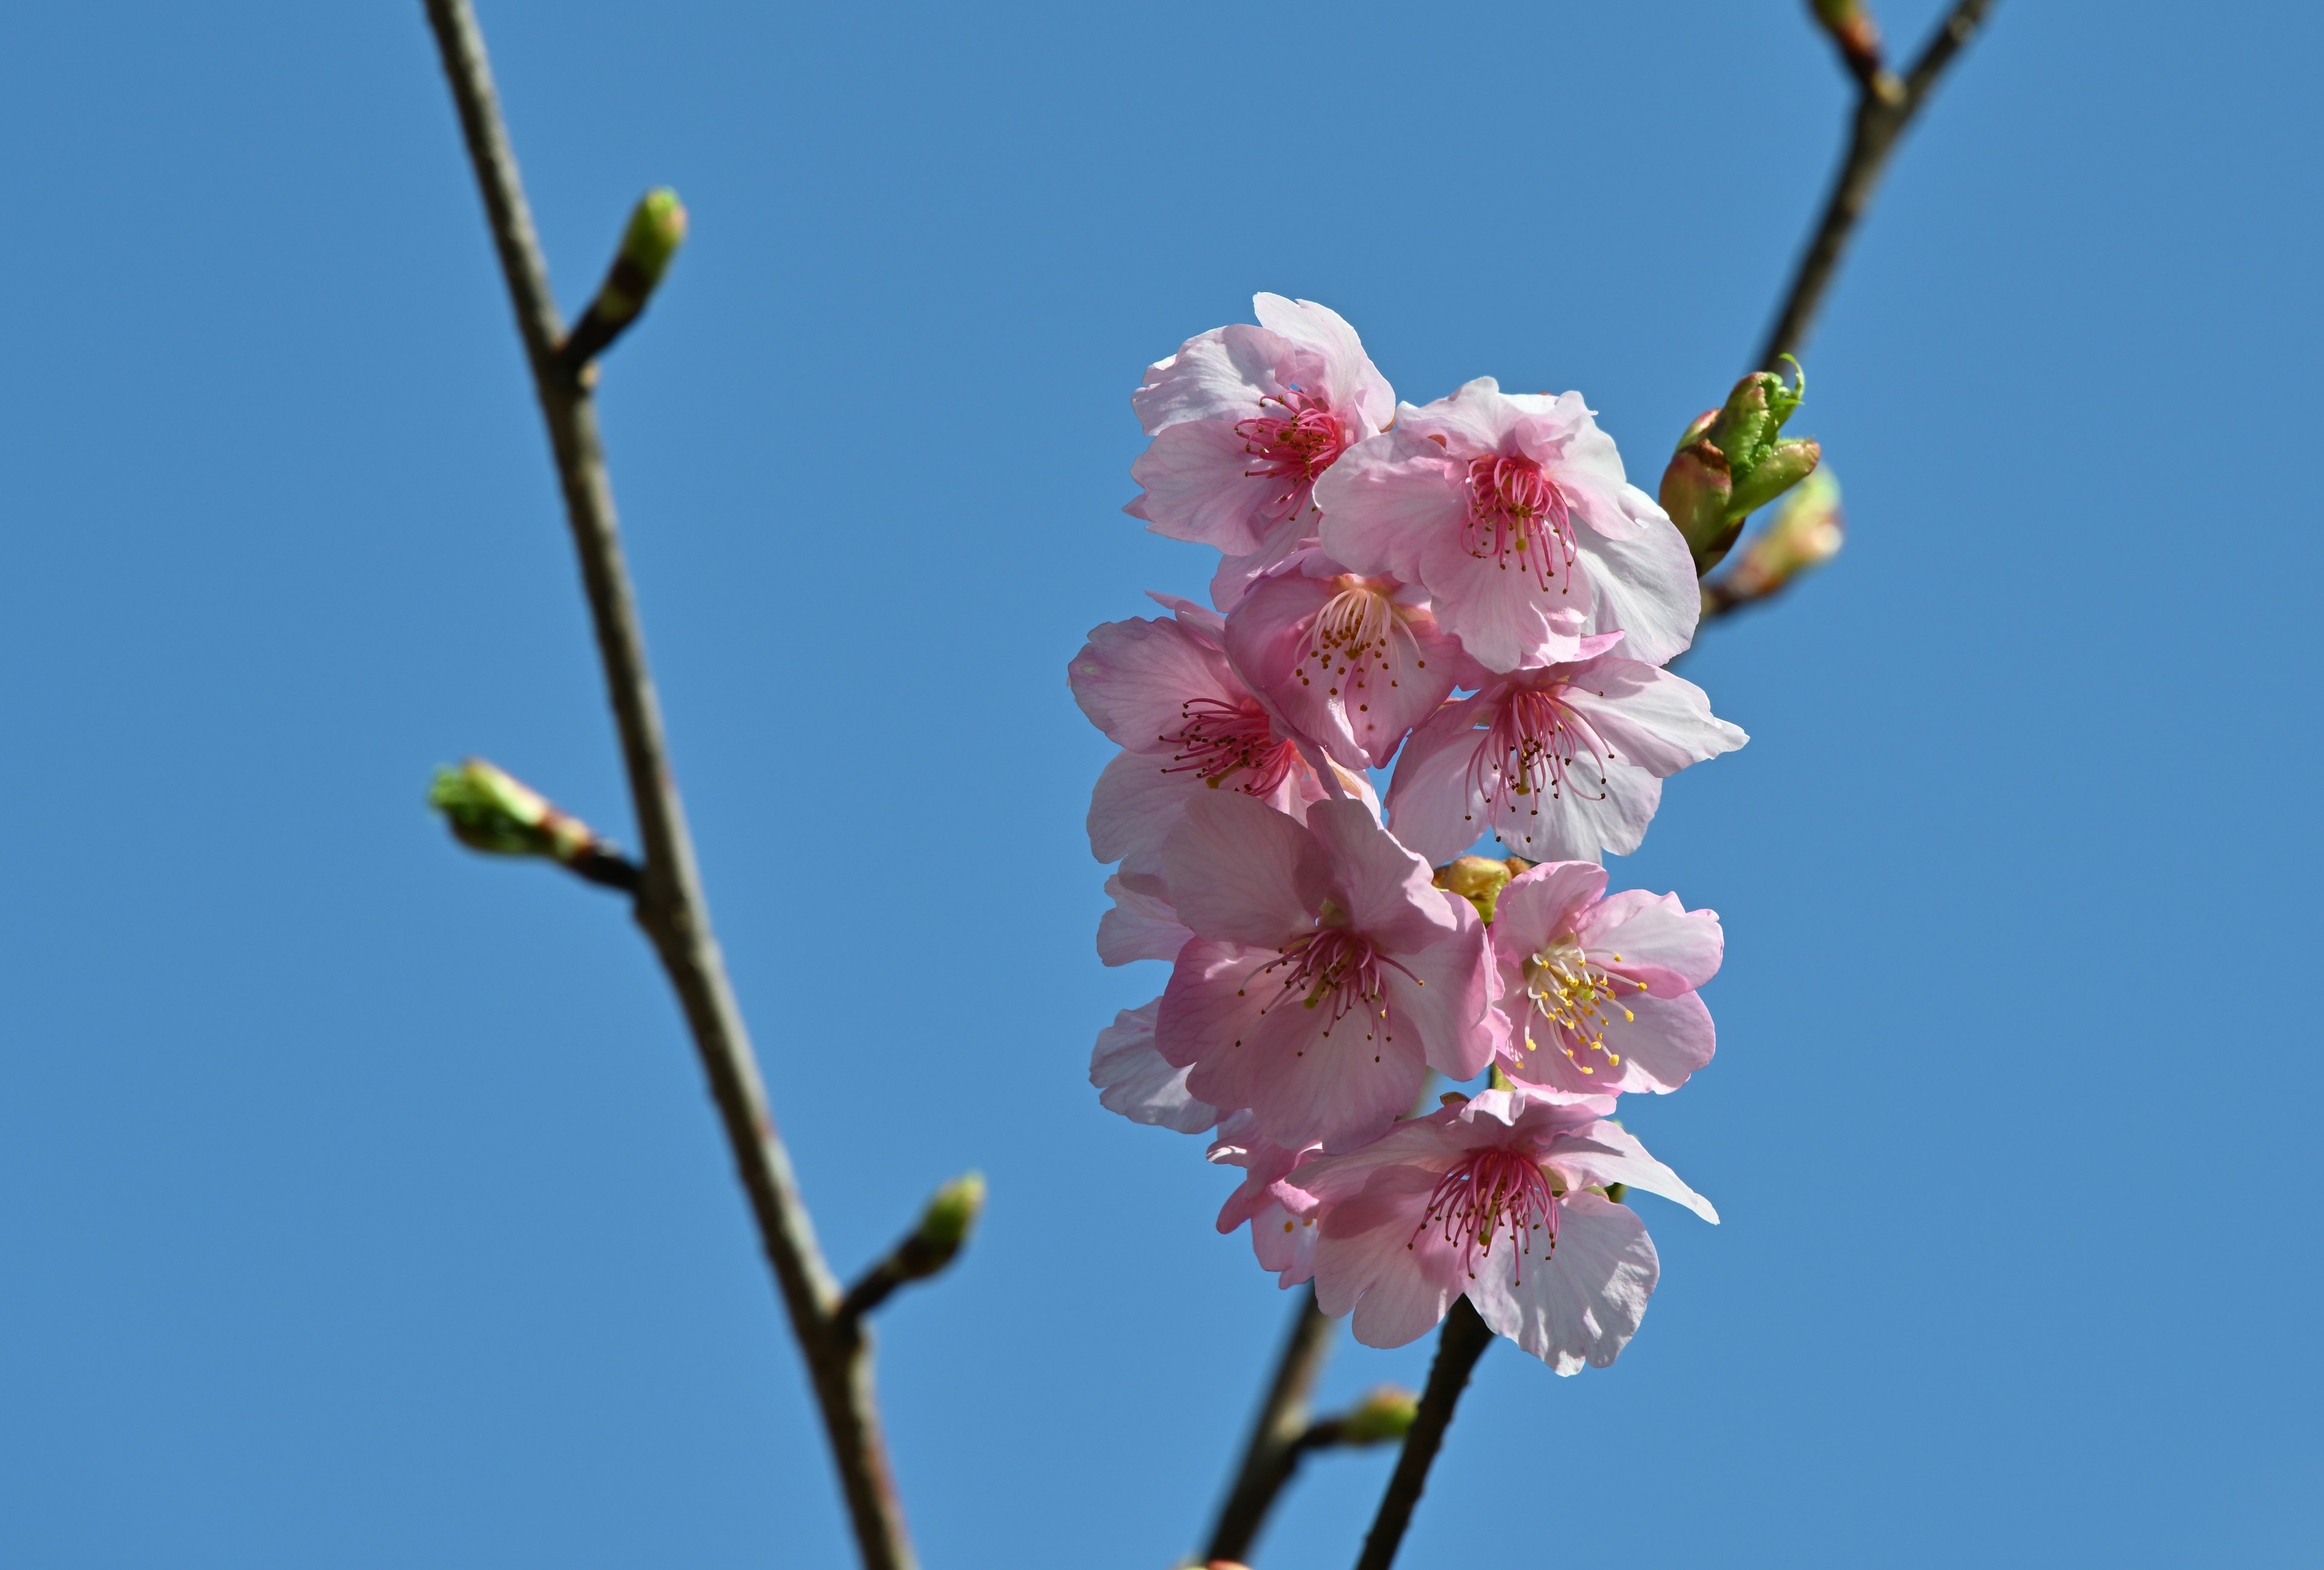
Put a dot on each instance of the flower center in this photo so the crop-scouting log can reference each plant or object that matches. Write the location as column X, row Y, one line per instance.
column 1220, row 738
column 1292, row 443
column 1490, row 1192
column 1570, row 994
column 1331, row 967
column 1538, row 746
column 1353, row 639
column 1517, row 511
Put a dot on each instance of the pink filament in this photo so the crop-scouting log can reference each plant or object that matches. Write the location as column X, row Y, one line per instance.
column 1538, row 746
column 1332, row 965
column 1492, row 1189
column 1293, row 447
column 1220, row 738
column 1515, row 510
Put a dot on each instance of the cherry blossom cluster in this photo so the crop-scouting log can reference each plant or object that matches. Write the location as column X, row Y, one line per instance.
column 1472, row 592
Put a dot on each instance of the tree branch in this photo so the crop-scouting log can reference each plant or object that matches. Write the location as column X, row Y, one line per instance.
column 1276, row 1434
column 1884, row 107
column 1462, row 1340
column 671, row 907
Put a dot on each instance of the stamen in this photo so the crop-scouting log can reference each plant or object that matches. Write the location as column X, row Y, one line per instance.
column 1332, row 966
column 1490, row 1191
column 1537, row 746
column 1570, row 994
column 1354, row 640
column 1293, row 447
column 1515, row 510
column 1220, row 738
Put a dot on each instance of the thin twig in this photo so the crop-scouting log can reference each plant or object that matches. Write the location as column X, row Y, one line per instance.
column 1884, row 109
column 1459, row 1345
column 671, row 907
column 1272, row 1453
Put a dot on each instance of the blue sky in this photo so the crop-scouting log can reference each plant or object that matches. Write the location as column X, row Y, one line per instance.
column 359, row 1199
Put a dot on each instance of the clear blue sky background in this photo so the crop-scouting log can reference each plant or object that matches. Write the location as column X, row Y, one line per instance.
column 360, row 1204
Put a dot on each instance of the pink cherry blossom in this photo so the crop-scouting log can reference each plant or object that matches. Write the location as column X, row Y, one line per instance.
column 1326, row 974
column 1353, row 661
column 1600, row 991
column 1283, row 1239
column 1558, row 762
column 1243, row 421
column 1512, row 512
column 1501, row 1197
column 1132, row 1079
column 1188, row 724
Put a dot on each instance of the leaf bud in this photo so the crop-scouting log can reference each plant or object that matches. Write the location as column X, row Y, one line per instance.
column 1734, row 460
column 945, row 1226
column 1479, row 879
column 657, row 228
column 1851, row 24
column 492, row 810
column 1385, row 1414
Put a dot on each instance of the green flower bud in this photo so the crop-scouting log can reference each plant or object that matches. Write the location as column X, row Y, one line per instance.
column 1385, row 1414
column 946, row 1224
column 1787, row 463
column 657, row 228
column 492, row 812
column 1479, row 879
column 1733, row 461
column 1696, row 489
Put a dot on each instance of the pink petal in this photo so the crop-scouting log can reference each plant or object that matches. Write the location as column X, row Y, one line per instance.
column 1660, row 942
column 1581, row 1305
column 1657, row 721
column 1133, row 1079
column 1139, row 926
column 1197, row 488
column 1387, row 892
column 1132, row 678
column 1236, row 868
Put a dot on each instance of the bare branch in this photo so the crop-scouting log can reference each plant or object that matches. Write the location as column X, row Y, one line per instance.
column 671, row 907
column 1462, row 1340
column 1884, row 109
column 1272, row 1452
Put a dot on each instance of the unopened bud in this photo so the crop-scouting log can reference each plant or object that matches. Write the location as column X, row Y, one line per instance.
column 1384, row 1415
column 1696, row 489
column 1479, row 879
column 1852, row 28
column 1734, row 460
column 493, row 811
column 657, row 229
column 1787, row 463
column 945, row 1226
column 1806, row 533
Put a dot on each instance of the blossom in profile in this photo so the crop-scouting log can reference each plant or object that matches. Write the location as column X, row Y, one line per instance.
column 1132, row 1079
column 1559, row 763
column 1352, row 660
column 1598, row 988
column 1513, row 512
column 1327, row 976
column 1283, row 1239
column 1502, row 1197
column 1188, row 725
column 1244, row 419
